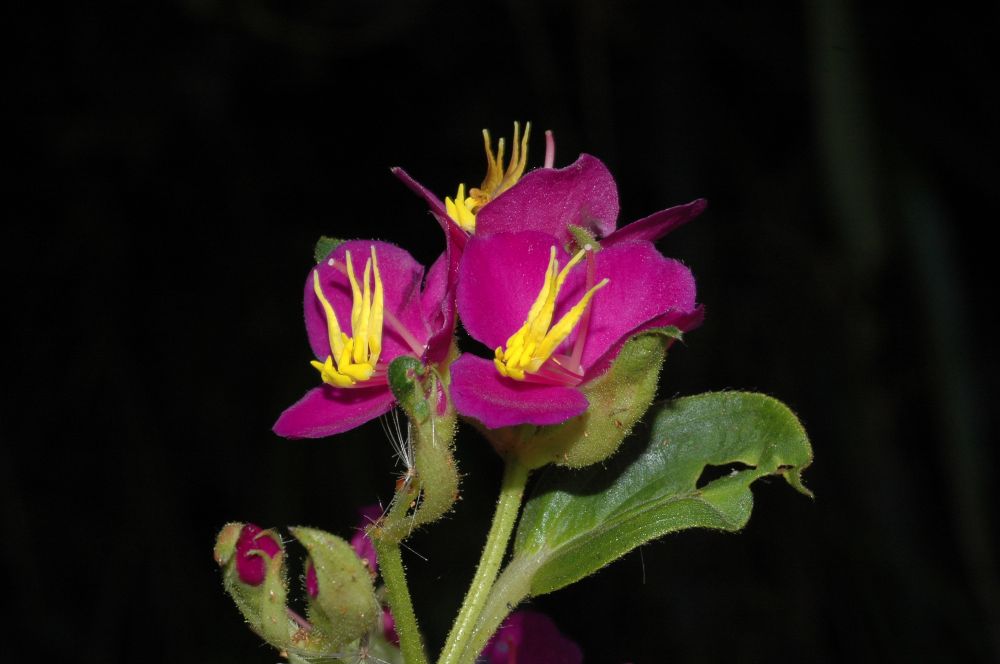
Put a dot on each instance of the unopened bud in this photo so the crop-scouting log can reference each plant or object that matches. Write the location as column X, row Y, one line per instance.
column 251, row 548
column 342, row 601
column 253, row 573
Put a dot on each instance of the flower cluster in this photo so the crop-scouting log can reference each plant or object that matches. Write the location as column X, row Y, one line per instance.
column 537, row 270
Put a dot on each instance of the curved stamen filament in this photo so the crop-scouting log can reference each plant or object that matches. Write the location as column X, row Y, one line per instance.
column 353, row 359
column 498, row 178
column 388, row 319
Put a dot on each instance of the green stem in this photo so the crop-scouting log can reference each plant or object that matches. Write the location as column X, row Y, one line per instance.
column 390, row 563
column 509, row 590
column 515, row 477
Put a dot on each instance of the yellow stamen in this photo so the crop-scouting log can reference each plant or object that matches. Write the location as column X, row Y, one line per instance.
column 459, row 210
column 352, row 360
column 532, row 345
column 497, row 180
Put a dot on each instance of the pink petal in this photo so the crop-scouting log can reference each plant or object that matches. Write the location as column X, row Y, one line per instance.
column 325, row 411
column 548, row 200
column 499, row 279
column 685, row 321
column 453, row 232
column 643, row 286
column 528, row 637
column 401, row 279
column 658, row 224
column 433, row 202
column 437, row 302
column 479, row 391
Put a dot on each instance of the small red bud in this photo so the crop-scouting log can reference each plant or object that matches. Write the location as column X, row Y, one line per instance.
column 250, row 564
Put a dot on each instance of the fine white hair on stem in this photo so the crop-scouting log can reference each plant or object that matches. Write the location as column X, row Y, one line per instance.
column 402, row 445
column 402, row 449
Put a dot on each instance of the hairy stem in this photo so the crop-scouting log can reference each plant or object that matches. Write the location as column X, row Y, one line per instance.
column 515, row 477
column 390, row 562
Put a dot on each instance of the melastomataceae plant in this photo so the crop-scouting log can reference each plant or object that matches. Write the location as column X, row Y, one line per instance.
column 574, row 316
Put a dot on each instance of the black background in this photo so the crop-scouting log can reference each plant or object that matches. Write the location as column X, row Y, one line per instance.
column 174, row 164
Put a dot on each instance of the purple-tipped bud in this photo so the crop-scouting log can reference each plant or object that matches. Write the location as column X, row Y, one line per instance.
column 250, row 564
column 312, row 583
column 361, row 543
column 389, row 628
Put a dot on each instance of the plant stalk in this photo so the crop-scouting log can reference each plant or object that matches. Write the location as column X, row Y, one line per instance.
column 390, row 562
column 515, row 478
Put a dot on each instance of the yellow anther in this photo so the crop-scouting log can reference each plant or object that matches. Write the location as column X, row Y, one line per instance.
column 352, row 360
column 497, row 180
column 460, row 211
column 535, row 342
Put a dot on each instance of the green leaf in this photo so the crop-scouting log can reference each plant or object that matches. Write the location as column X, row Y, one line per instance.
column 578, row 522
column 324, row 245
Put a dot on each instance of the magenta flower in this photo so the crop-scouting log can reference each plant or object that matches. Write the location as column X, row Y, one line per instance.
column 555, row 322
column 364, row 307
column 528, row 637
column 547, row 199
column 583, row 194
column 251, row 548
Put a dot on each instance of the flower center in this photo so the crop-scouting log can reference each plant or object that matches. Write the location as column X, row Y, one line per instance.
column 498, row 179
column 530, row 349
column 353, row 358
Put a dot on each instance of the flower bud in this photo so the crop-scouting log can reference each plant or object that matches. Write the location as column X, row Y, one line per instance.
column 254, row 575
column 253, row 548
column 341, row 596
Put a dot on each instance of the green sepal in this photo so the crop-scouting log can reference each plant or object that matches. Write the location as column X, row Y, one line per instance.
column 346, row 608
column 406, row 377
column 617, row 400
column 432, row 489
column 225, row 543
column 263, row 606
column 578, row 521
column 581, row 238
column 324, row 245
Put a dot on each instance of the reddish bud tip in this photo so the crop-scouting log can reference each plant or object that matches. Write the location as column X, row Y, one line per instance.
column 312, row 583
column 389, row 628
column 361, row 543
column 250, row 564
